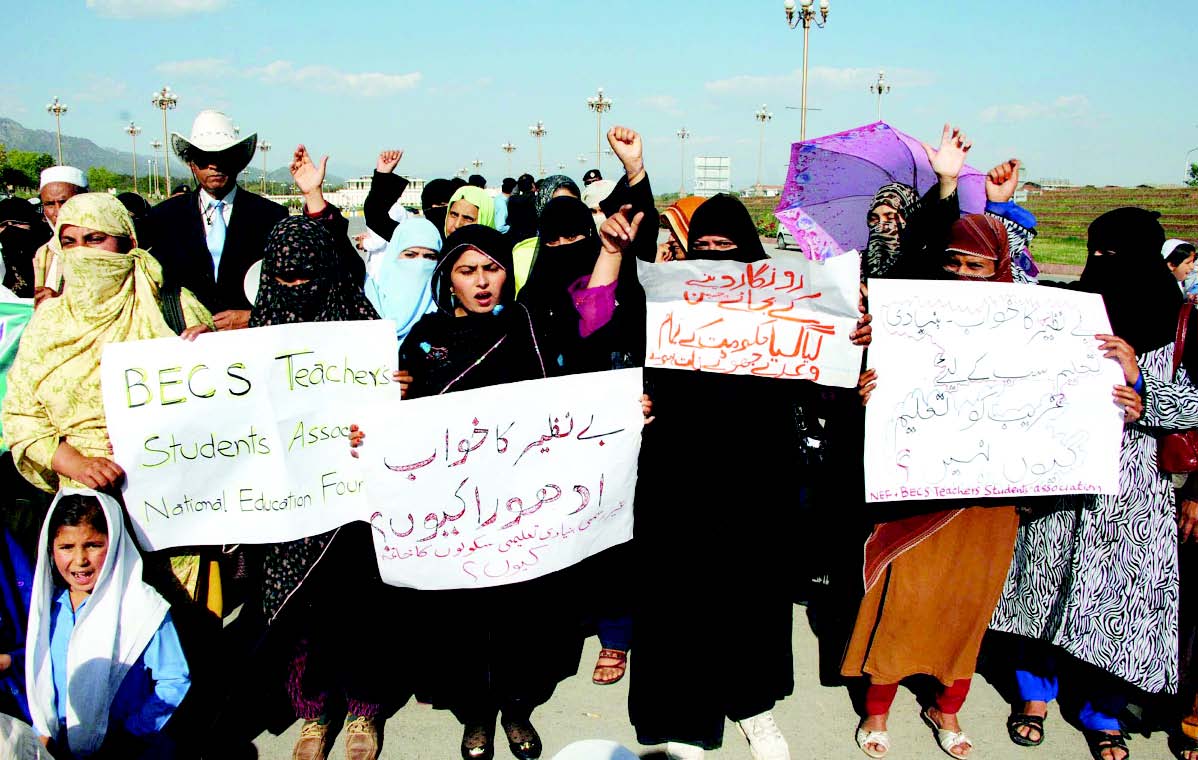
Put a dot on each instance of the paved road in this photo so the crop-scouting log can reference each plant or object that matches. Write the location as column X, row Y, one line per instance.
column 817, row 721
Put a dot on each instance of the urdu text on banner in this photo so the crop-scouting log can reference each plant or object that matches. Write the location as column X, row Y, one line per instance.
column 503, row 484
column 242, row 436
column 784, row 317
column 989, row 390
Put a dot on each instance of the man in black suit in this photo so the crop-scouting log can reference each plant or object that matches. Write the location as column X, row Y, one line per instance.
column 208, row 239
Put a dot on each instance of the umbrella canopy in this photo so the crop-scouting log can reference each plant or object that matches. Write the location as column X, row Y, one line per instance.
column 832, row 181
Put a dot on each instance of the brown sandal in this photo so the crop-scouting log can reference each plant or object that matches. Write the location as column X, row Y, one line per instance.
column 600, row 676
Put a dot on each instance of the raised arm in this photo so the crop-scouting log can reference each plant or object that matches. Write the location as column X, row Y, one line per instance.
column 309, row 178
column 633, row 189
column 385, row 189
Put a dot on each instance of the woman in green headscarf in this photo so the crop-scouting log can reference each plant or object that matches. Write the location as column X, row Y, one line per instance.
column 469, row 205
column 54, row 412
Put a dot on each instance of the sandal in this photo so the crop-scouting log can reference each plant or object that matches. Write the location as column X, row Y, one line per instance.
column 522, row 739
column 1023, row 720
column 1101, row 741
column 948, row 739
column 478, row 742
column 605, row 675
column 1185, row 748
column 865, row 737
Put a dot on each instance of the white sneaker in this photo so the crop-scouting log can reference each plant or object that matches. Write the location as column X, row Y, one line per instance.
column 680, row 751
column 766, row 742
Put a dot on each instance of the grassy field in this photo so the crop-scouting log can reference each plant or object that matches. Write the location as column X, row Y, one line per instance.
column 1064, row 215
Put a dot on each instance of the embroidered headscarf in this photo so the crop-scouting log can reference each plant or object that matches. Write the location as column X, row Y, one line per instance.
column 54, row 383
column 548, row 186
column 401, row 291
column 299, row 248
column 884, row 244
column 678, row 217
column 479, row 198
column 983, row 236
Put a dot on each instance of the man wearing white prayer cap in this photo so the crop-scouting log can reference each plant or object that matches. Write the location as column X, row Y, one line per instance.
column 58, row 184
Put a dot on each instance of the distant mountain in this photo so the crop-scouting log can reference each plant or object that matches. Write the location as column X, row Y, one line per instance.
column 83, row 153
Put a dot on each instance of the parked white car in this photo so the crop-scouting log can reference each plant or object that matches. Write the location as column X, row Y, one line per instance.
column 785, row 239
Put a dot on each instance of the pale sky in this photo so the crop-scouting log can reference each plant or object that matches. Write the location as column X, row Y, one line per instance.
column 1097, row 92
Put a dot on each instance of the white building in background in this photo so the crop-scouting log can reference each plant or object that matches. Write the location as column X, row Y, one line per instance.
column 353, row 194
column 713, row 174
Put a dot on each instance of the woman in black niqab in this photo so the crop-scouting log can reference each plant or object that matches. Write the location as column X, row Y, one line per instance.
column 724, row 217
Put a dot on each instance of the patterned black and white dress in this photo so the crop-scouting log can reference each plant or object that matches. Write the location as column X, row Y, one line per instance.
column 1098, row 578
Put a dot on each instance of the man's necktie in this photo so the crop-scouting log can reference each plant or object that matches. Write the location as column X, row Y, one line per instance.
column 216, row 233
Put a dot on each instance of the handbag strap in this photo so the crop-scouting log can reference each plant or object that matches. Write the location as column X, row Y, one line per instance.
column 1179, row 343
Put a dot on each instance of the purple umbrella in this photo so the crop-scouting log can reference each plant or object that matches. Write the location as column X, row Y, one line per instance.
column 832, row 181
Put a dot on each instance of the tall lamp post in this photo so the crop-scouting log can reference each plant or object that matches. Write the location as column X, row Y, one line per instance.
column 805, row 16
column 880, row 88
column 58, row 109
column 157, row 146
column 264, row 148
column 133, row 131
column 509, row 149
column 477, row 164
column 582, row 159
column 150, row 177
column 538, row 131
column 600, row 105
column 683, row 134
column 762, row 115
column 166, row 100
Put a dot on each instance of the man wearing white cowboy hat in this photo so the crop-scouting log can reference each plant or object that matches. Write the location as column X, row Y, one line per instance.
column 208, row 239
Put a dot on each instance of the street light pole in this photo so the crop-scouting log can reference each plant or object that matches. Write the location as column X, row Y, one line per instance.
column 599, row 104
column 58, row 109
column 264, row 148
column 508, row 148
column 805, row 16
column 133, row 131
column 166, row 100
column 157, row 146
column 538, row 131
column 477, row 164
column 880, row 88
column 683, row 134
column 762, row 115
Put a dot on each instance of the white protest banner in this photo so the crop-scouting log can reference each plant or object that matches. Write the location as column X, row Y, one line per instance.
column 504, row 484
column 785, row 317
column 989, row 390
column 241, row 436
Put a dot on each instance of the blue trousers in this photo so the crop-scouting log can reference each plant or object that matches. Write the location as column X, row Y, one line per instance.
column 615, row 632
column 1038, row 682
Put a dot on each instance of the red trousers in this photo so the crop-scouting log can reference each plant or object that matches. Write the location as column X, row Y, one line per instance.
column 879, row 697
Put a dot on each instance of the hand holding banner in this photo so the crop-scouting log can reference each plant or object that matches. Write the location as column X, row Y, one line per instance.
column 242, row 436
column 503, row 484
column 784, row 317
column 989, row 390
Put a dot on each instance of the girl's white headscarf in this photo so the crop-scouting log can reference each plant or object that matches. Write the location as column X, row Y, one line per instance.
column 111, row 631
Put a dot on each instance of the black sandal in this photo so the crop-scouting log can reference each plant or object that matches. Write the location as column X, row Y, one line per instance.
column 1023, row 720
column 478, row 742
column 1183, row 744
column 1100, row 741
column 522, row 739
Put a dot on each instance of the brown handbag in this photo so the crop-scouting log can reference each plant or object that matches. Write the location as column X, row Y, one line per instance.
column 1177, row 453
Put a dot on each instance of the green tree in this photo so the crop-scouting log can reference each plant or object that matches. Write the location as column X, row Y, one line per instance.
column 29, row 164
column 1192, row 176
column 100, row 180
column 3, row 154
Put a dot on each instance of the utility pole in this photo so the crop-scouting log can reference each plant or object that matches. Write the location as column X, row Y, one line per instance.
column 166, row 100
column 58, row 109
column 763, row 115
column 538, row 131
column 600, row 105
